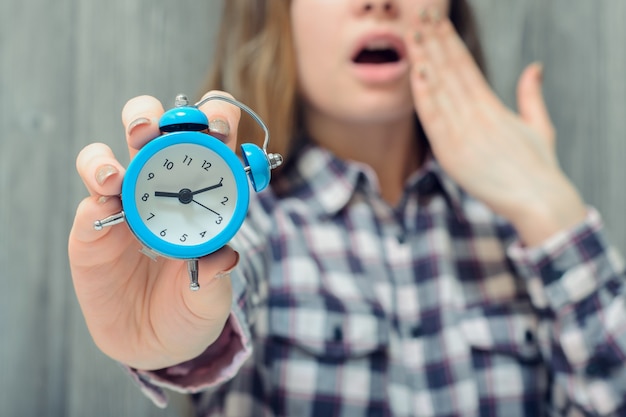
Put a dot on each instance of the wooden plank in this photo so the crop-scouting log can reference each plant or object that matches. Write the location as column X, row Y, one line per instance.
column 580, row 44
column 584, row 87
column 613, row 114
column 36, row 73
column 126, row 49
column 66, row 68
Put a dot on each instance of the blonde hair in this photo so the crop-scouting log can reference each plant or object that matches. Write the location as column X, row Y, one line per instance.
column 255, row 62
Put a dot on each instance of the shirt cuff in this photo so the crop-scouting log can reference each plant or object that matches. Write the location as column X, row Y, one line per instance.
column 569, row 266
column 217, row 364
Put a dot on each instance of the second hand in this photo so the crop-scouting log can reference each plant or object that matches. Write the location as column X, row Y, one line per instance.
column 202, row 205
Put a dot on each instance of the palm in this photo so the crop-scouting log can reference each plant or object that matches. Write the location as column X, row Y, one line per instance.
column 506, row 160
column 142, row 312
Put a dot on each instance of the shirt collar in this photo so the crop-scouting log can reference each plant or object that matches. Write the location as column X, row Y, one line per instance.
column 326, row 183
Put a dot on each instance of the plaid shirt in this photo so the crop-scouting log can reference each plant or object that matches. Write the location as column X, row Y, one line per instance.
column 346, row 306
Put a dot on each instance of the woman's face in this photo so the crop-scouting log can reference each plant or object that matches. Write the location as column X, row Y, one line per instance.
column 352, row 59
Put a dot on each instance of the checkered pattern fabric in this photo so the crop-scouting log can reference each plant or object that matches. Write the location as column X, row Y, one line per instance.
column 348, row 307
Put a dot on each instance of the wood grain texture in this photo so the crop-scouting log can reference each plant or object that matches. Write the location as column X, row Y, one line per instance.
column 66, row 69
column 581, row 45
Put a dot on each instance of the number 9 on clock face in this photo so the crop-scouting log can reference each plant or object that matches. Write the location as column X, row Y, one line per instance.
column 185, row 195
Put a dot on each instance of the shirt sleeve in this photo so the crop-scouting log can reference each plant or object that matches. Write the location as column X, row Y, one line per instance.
column 576, row 282
column 219, row 363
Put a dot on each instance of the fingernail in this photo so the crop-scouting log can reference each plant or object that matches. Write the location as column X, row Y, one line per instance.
column 219, row 126
column 421, row 71
column 105, row 172
column 137, row 122
column 417, row 36
column 424, row 15
column 103, row 199
column 539, row 71
column 435, row 15
column 226, row 273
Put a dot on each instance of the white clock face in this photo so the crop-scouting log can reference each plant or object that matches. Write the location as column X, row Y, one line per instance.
column 185, row 194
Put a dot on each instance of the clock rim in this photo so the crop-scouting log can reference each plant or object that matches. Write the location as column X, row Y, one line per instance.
column 136, row 223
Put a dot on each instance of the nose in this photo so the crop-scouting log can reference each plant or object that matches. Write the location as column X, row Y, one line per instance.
column 383, row 8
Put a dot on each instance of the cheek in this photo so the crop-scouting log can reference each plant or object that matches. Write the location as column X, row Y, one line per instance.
column 444, row 5
column 419, row 5
column 315, row 78
column 318, row 58
column 313, row 39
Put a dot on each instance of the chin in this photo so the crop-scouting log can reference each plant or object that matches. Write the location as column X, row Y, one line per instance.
column 382, row 108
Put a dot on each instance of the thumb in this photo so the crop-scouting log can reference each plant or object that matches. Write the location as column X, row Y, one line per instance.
column 531, row 105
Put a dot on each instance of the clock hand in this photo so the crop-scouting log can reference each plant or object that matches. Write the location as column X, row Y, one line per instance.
column 212, row 187
column 184, row 195
column 165, row 194
column 202, row 205
column 186, row 192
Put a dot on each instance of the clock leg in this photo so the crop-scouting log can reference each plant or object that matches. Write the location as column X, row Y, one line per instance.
column 109, row 221
column 192, row 268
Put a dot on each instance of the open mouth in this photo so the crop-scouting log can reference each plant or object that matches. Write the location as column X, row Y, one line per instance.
column 380, row 59
column 378, row 52
column 377, row 56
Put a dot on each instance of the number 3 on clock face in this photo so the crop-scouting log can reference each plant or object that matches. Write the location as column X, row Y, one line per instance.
column 185, row 195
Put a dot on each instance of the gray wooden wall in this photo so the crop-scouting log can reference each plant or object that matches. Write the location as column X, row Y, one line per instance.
column 68, row 66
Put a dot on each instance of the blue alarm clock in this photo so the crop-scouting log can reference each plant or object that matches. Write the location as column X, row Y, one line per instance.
column 186, row 193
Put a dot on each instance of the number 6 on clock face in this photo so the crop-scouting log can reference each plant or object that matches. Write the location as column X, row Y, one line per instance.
column 185, row 195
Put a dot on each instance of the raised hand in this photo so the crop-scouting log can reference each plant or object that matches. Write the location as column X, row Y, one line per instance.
column 138, row 310
column 504, row 159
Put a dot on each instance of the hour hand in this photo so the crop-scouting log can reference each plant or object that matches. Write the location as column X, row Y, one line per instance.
column 166, row 194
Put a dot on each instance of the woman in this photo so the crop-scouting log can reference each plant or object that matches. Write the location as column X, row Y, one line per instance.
column 445, row 267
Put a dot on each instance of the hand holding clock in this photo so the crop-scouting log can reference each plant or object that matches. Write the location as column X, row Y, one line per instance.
column 126, row 296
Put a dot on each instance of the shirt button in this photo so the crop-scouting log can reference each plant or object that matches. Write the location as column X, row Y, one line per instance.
column 529, row 336
column 427, row 185
column 597, row 368
column 416, row 331
column 337, row 334
column 551, row 275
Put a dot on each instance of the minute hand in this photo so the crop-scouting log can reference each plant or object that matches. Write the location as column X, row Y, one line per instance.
column 212, row 187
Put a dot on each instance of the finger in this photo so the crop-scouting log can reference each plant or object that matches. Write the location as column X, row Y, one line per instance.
column 83, row 232
column 434, row 107
column 436, row 99
column 443, row 71
column 531, row 105
column 223, row 118
column 100, row 171
column 140, row 117
column 450, row 52
column 214, row 274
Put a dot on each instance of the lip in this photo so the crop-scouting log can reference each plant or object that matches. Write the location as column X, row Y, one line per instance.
column 380, row 73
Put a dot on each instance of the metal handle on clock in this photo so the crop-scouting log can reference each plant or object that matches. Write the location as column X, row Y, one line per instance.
column 274, row 160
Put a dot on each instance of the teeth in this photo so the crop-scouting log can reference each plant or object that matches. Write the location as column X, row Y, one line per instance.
column 378, row 45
